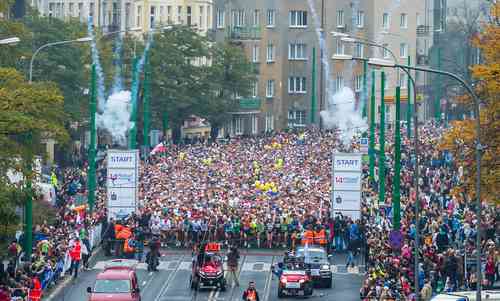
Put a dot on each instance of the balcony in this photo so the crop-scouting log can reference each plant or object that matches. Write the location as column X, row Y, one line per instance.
column 244, row 33
column 249, row 103
column 423, row 30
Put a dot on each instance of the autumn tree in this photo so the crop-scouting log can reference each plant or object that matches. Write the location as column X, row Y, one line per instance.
column 28, row 113
column 460, row 139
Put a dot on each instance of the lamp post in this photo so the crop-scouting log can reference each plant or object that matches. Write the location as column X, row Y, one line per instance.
column 93, row 137
column 396, row 196
column 478, row 149
column 80, row 40
column 313, row 84
column 372, row 129
column 146, row 112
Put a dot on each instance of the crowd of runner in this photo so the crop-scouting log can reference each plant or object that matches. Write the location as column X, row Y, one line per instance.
column 266, row 192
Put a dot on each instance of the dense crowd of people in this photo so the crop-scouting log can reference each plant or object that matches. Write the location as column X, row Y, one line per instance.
column 54, row 244
column 272, row 192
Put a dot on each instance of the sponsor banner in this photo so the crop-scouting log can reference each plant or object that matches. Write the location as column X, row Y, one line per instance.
column 119, row 212
column 346, row 181
column 122, row 178
column 346, row 162
column 122, row 159
column 353, row 214
column 121, row 197
column 363, row 142
column 346, row 200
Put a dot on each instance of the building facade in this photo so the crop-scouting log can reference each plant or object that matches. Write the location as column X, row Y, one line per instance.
column 280, row 38
column 127, row 14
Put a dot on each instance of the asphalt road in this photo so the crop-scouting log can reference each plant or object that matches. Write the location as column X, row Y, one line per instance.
column 171, row 282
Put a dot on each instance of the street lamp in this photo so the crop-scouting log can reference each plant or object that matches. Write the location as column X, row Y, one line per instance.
column 10, row 41
column 478, row 150
column 80, row 40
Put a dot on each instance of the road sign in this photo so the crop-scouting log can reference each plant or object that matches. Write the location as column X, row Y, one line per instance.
column 122, row 182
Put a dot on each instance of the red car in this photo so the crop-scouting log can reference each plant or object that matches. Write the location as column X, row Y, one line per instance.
column 118, row 282
column 295, row 283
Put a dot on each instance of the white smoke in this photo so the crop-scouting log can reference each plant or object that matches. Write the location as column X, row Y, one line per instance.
column 116, row 116
column 341, row 113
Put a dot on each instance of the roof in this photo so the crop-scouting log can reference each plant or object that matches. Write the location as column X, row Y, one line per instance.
column 116, row 274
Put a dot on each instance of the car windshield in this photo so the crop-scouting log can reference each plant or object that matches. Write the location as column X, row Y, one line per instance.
column 311, row 254
column 112, row 286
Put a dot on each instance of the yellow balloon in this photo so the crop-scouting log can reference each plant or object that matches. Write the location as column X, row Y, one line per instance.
column 274, row 189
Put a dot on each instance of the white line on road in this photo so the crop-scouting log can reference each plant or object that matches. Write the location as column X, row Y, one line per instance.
column 165, row 286
column 267, row 288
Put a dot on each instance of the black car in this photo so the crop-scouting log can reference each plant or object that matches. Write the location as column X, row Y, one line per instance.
column 317, row 262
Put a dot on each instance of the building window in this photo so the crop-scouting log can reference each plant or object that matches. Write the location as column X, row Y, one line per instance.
column 358, row 50
column 360, row 19
column 340, row 18
column 220, row 18
column 404, row 21
column 358, row 83
column 80, row 11
column 339, row 47
column 138, row 16
column 256, row 18
column 255, row 124
column 270, row 53
column 296, row 84
column 162, row 14
column 188, row 16
column 255, row 53
column 169, row 14
column 298, row 18
column 152, row 17
column 270, row 88
column 339, row 82
column 127, row 14
column 297, row 51
column 238, row 126
column 296, row 118
column 271, row 17
column 71, row 8
column 386, row 21
column 179, row 15
column 385, row 53
column 403, row 50
column 403, row 80
column 202, row 14
column 238, row 18
column 419, row 19
column 269, row 122
column 255, row 89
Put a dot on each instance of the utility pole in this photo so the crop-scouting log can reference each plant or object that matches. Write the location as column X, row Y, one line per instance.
column 371, row 150
column 132, row 139
column 396, row 196
column 146, row 112
column 408, row 104
column 28, row 210
column 381, row 154
column 91, row 176
column 313, row 96
column 365, row 88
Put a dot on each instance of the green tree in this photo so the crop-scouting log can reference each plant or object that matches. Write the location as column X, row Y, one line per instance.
column 28, row 112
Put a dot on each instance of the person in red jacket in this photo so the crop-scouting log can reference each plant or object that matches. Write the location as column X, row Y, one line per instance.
column 75, row 253
column 251, row 294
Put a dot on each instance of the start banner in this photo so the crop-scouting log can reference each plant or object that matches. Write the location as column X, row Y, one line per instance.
column 122, row 182
column 346, row 184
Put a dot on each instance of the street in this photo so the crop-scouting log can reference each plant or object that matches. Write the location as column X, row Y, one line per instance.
column 171, row 282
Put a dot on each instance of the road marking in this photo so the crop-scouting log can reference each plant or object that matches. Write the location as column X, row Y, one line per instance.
column 238, row 276
column 267, row 288
column 164, row 265
column 165, row 286
column 186, row 265
column 256, row 266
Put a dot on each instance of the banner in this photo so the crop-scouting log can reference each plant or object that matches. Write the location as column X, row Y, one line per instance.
column 346, row 185
column 122, row 182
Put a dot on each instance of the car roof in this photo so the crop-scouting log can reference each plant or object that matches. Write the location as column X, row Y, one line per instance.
column 116, row 274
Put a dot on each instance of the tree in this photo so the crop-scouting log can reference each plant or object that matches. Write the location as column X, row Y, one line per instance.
column 460, row 138
column 230, row 74
column 27, row 113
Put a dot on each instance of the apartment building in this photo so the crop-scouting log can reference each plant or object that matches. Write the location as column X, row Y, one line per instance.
column 280, row 37
column 126, row 14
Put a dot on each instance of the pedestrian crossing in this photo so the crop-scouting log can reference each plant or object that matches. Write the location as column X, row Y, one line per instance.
column 246, row 267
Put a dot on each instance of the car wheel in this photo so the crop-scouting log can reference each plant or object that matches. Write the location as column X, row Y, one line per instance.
column 281, row 294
